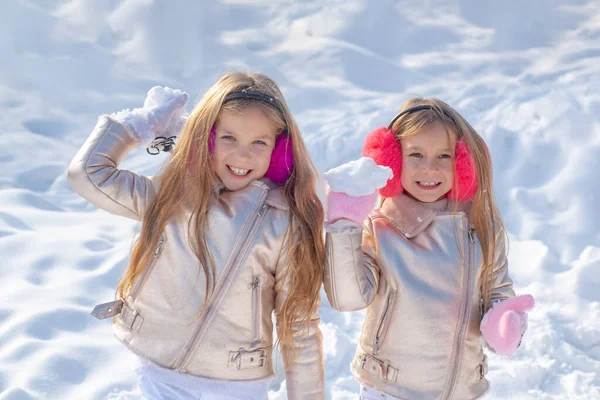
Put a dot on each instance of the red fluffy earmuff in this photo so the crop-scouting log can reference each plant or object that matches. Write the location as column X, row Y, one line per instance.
column 465, row 185
column 381, row 145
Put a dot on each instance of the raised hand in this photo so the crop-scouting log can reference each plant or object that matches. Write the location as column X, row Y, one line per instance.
column 352, row 189
column 163, row 114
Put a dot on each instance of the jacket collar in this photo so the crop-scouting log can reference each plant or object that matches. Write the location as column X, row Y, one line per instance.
column 412, row 217
column 275, row 197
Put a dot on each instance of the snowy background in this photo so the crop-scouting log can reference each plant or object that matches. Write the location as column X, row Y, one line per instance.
column 526, row 74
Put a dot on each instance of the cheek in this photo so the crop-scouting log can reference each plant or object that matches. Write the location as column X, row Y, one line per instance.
column 448, row 169
column 408, row 170
column 409, row 166
column 218, row 156
column 264, row 158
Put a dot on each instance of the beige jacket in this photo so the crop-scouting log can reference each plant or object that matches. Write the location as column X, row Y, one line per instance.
column 418, row 273
column 233, row 338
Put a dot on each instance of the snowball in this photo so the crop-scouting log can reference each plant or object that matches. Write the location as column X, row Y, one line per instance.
column 358, row 178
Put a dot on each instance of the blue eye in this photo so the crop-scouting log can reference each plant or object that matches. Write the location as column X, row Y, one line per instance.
column 262, row 143
column 445, row 156
column 417, row 155
column 227, row 137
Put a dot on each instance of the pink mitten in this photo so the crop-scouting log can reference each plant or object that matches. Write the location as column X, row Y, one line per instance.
column 354, row 208
column 504, row 324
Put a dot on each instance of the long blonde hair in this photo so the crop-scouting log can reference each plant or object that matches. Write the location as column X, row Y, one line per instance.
column 484, row 214
column 185, row 179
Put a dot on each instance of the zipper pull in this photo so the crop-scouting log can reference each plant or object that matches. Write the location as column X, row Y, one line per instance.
column 376, row 347
column 471, row 237
column 262, row 209
column 158, row 248
column 255, row 283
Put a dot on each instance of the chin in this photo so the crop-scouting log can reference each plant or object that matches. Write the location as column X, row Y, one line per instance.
column 236, row 186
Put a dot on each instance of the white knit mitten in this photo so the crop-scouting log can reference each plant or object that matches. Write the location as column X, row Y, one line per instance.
column 163, row 114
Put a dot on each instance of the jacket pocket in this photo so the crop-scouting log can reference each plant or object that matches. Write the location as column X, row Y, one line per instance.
column 139, row 284
column 384, row 322
column 256, row 310
column 130, row 315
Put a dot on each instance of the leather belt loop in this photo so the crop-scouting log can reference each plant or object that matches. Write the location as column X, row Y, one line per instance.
column 375, row 366
column 246, row 359
column 131, row 318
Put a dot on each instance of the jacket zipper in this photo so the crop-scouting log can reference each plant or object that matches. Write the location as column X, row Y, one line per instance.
column 248, row 232
column 142, row 280
column 383, row 323
column 256, row 311
column 464, row 316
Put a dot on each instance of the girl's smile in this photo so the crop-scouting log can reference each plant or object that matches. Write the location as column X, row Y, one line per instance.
column 428, row 163
column 244, row 142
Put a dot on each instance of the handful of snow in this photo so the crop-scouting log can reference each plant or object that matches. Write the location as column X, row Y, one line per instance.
column 361, row 177
column 163, row 114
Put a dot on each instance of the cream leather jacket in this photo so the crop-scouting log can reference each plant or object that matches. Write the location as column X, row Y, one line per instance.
column 159, row 320
column 418, row 273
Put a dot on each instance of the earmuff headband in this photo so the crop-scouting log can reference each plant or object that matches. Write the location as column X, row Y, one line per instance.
column 254, row 96
column 418, row 108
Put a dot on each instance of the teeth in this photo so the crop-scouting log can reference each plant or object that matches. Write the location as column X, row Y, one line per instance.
column 239, row 171
column 423, row 183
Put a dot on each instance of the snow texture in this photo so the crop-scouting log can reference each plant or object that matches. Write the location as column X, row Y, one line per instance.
column 525, row 74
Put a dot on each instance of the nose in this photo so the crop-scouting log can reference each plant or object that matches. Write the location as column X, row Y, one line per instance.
column 243, row 153
column 430, row 164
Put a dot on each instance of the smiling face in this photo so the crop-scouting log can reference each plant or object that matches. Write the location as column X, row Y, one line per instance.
column 428, row 163
column 243, row 145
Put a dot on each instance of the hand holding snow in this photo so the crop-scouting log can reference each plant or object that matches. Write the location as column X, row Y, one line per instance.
column 163, row 114
column 359, row 177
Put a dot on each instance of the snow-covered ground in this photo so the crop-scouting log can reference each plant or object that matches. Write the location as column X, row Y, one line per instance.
column 526, row 74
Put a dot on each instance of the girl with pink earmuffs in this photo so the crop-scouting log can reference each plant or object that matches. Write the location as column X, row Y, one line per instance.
column 429, row 264
column 231, row 233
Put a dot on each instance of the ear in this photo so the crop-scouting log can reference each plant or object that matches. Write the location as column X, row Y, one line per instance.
column 282, row 159
column 465, row 185
column 381, row 145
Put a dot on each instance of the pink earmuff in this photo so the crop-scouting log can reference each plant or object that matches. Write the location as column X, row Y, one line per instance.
column 282, row 157
column 282, row 160
column 381, row 145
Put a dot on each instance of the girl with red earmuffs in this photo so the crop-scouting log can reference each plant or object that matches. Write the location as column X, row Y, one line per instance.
column 429, row 263
column 231, row 235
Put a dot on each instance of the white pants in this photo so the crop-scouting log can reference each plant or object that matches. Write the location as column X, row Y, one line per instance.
column 157, row 383
column 154, row 390
column 368, row 393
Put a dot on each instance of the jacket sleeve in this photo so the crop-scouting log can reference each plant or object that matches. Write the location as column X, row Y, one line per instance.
column 94, row 175
column 305, row 377
column 351, row 276
column 501, row 283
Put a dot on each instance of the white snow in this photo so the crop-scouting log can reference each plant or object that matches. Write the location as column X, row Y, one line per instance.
column 359, row 177
column 525, row 74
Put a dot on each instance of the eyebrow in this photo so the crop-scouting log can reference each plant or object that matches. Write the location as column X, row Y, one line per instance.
column 228, row 132
column 411, row 147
